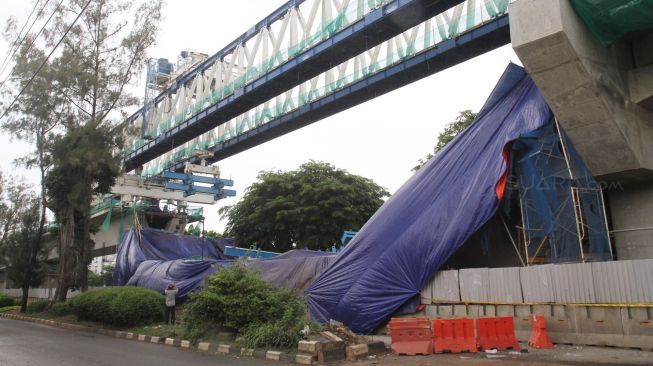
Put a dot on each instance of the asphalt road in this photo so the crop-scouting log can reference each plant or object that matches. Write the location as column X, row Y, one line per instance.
column 30, row 344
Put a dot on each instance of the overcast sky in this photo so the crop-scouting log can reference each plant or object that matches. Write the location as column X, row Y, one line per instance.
column 381, row 139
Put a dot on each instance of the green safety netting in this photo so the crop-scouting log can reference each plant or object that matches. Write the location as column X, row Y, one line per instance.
column 127, row 213
column 456, row 26
column 611, row 20
column 353, row 11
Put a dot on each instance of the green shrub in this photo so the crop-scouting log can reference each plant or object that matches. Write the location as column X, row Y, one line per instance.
column 122, row 306
column 6, row 301
column 240, row 300
column 60, row 309
column 37, row 306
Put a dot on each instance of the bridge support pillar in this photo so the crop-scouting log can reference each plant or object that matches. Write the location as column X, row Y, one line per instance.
column 590, row 90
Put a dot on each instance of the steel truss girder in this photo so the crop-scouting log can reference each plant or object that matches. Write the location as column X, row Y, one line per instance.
column 453, row 51
column 365, row 33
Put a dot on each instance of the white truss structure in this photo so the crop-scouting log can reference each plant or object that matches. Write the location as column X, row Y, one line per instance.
column 302, row 27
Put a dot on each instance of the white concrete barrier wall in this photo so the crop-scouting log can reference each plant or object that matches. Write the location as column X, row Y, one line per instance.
column 614, row 282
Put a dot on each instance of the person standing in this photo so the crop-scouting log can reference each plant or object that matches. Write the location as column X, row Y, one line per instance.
column 171, row 293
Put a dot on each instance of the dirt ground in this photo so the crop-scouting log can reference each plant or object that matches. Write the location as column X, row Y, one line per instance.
column 560, row 355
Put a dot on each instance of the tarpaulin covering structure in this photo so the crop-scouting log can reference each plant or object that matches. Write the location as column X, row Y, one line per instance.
column 561, row 202
column 610, row 20
column 453, row 195
column 154, row 258
column 295, row 269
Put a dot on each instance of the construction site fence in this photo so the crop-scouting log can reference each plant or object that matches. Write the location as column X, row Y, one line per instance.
column 623, row 283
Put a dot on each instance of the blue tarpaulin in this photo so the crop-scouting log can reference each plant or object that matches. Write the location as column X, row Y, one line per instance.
column 407, row 240
column 553, row 181
column 154, row 258
column 159, row 245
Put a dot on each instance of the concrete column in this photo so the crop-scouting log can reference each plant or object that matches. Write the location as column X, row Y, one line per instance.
column 586, row 86
column 601, row 96
column 632, row 220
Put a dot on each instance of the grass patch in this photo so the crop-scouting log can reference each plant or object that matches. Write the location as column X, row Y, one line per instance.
column 160, row 330
column 5, row 309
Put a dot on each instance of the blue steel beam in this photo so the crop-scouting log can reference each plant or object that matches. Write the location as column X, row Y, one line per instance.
column 369, row 31
column 190, row 189
column 482, row 39
column 190, row 178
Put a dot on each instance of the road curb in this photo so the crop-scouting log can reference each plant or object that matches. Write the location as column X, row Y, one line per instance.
column 207, row 347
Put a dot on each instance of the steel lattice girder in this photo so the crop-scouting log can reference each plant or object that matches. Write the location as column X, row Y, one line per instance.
column 375, row 27
column 485, row 38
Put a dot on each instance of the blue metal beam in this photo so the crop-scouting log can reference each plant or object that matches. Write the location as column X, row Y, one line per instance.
column 191, row 178
column 374, row 28
column 190, row 189
column 482, row 39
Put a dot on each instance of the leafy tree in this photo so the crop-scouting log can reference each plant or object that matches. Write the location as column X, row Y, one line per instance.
column 81, row 89
column 304, row 208
column 94, row 279
column 212, row 234
column 84, row 166
column 193, row 230
column 103, row 279
column 451, row 130
column 21, row 250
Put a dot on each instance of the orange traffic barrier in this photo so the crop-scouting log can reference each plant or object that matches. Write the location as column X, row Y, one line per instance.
column 506, row 333
column 496, row 333
column 454, row 335
column 411, row 336
column 539, row 338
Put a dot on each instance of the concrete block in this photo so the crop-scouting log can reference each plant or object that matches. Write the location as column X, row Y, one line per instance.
column 223, row 348
column 273, row 355
column 475, row 311
column 376, row 347
column 431, row 311
column 141, row 337
column 185, row 344
column 308, row 347
column 170, row 341
column 331, row 354
column 505, row 310
column 304, row 359
column 460, row 311
column 356, row 352
column 637, row 321
column 445, row 311
column 260, row 354
column 523, row 311
column 332, row 337
column 490, row 310
column 155, row 340
column 203, row 346
column 129, row 335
